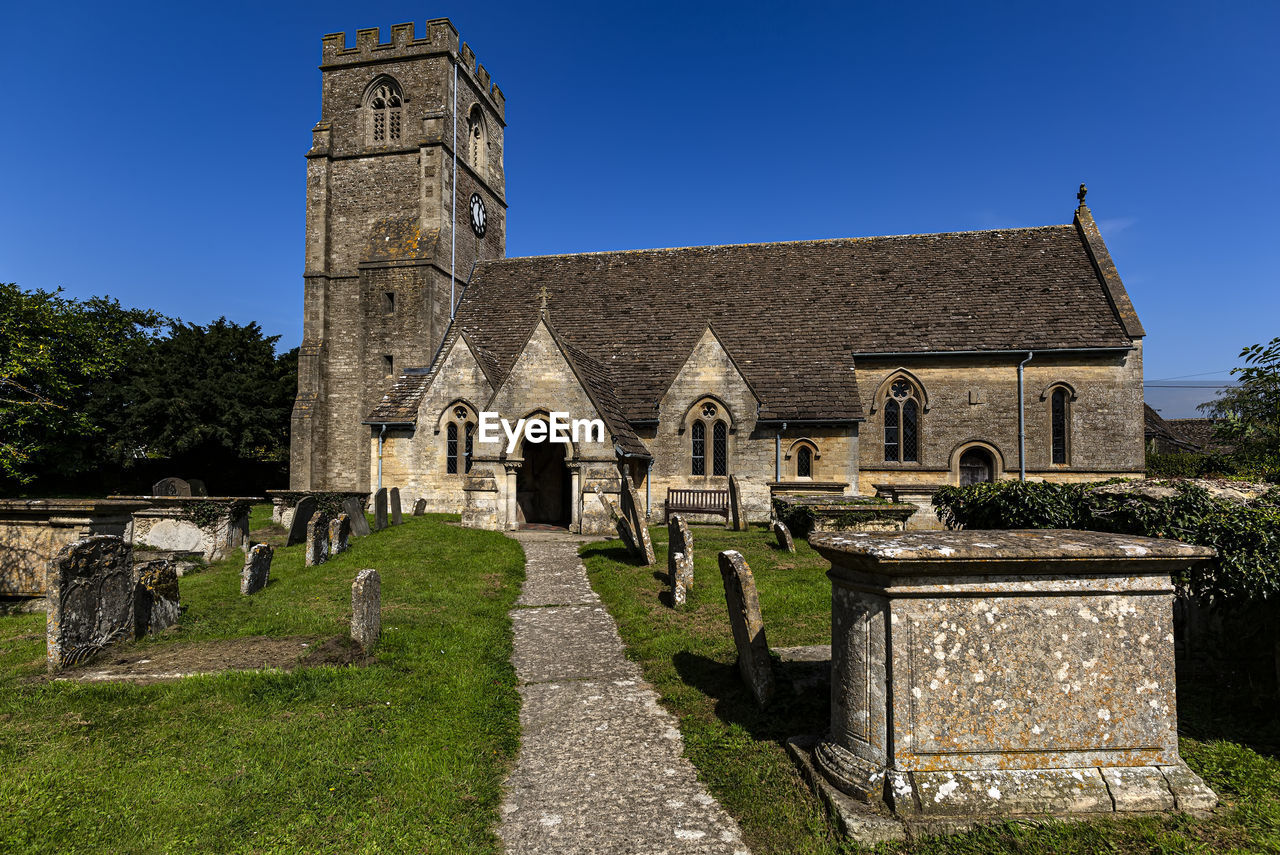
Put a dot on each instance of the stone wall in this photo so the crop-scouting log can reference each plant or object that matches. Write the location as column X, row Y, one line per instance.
column 168, row 524
column 32, row 531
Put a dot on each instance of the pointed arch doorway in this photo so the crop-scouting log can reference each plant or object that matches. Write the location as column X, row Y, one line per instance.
column 543, row 485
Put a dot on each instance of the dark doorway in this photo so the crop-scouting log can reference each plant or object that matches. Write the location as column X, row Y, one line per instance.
column 976, row 467
column 542, row 485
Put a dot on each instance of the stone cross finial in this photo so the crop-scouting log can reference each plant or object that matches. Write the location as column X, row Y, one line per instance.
column 1083, row 191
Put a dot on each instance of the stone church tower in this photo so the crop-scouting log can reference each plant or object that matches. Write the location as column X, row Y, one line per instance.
column 391, row 238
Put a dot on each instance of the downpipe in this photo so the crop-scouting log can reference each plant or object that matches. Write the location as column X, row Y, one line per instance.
column 382, row 438
column 1022, row 422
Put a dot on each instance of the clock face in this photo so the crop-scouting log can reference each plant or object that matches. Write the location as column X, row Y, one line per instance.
column 477, row 215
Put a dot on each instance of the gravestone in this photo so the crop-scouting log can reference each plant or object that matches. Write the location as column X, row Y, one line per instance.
column 198, row 488
column 681, row 578
column 631, row 512
column 155, row 597
column 90, row 599
column 419, row 507
column 737, row 520
column 380, row 509
column 339, row 534
column 257, row 569
column 396, row 518
column 366, row 608
column 679, row 541
column 355, row 513
column 783, row 534
column 301, row 516
column 748, row 625
column 171, row 487
column 317, row 539
column 620, row 523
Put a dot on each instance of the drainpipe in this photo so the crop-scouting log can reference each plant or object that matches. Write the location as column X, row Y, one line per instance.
column 453, row 223
column 382, row 434
column 777, row 454
column 1022, row 423
column 648, row 488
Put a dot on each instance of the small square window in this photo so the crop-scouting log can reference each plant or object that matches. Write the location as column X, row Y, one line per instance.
column 388, row 302
column 388, row 365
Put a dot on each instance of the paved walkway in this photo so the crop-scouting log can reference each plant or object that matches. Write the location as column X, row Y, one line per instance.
column 600, row 768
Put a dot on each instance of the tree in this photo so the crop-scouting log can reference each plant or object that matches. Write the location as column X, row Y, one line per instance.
column 1249, row 412
column 52, row 351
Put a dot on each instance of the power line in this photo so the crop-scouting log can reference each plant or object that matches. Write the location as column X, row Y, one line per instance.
column 1187, row 385
column 1201, row 374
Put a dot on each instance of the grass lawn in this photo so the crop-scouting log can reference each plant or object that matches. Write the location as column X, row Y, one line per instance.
column 406, row 754
column 689, row 657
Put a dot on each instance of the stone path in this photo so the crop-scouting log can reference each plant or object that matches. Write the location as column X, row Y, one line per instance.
column 600, row 768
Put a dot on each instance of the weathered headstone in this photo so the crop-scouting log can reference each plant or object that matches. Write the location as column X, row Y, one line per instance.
column 748, row 625
column 783, row 534
column 90, row 599
column 366, row 608
column 155, row 597
column 681, row 577
column 197, row 487
column 302, row 513
column 622, row 525
column 339, row 534
column 631, row 511
column 737, row 520
column 396, row 518
column 257, row 569
column 419, row 507
column 355, row 512
column 380, row 509
column 171, row 487
column 679, row 541
column 317, row 539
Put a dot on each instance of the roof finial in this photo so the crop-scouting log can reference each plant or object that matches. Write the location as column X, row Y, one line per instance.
column 1083, row 191
column 542, row 296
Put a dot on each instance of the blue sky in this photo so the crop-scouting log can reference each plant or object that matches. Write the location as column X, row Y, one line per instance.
column 154, row 152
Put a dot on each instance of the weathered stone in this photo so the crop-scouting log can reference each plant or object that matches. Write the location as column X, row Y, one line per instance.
column 32, row 531
column 90, row 599
column 396, row 518
column 1019, row 664
column 366, row 608
column 302, row 514
column 355, row 513
column 156, row 603
column 171, row 487
column 419, row 507
column 679, row 540
column 257, row 569
column 197, row 487
column 737, row 519
column 783, row 534
column 339, row 534
column 850, row 513
column 622, row 526
column 213, row 527
column 1189, row 792
column 678, row 594
column 748, row 625
column 317, row 539
column 681, row 577
column 639, row 525
column 380, row 509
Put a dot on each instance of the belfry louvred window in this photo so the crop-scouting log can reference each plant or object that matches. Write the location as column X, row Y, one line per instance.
column 902, row 423
column 384, row 102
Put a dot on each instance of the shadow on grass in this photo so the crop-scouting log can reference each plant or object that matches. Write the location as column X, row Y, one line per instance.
column 1209, row 710
column 614, row 551
column 791, row 713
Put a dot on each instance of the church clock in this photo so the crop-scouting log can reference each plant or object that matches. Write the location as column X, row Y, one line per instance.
column 477, row 215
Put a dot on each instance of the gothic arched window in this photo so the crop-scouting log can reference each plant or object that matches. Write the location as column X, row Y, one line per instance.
column 699, row 448
column 451, row 449
column 720, row 448
column 457, row 454
column 804, row 462
column 477, row 140
column 1058, row 424
column 902, row 422
column 384, row 102
column 707, row 424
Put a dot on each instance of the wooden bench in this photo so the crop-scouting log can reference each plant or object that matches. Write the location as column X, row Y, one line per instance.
column 697, row 502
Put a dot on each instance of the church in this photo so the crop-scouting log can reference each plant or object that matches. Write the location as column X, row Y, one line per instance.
column 862, row 366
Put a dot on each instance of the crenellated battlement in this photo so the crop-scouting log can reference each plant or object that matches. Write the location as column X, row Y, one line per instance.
column 440, row 37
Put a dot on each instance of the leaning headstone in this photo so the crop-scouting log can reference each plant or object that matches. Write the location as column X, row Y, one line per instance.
column 380, row 509
column 339, row 534
column 681, row 578
column 679, row 541
column 155, row 597
column 737, row 521
column 301, row 516
column 622, row 525
column 317, row 539
column 171, row 487
column 90, row 599
column 631, row 512
column 783, row 534
column 419, row 507
column 396, row 519
column 198, row 488
column 257, row 569
column 748, row 625
column 359, row 522
column 366, row 608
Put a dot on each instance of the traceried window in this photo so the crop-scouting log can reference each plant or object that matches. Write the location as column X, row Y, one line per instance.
column 384, row 103
column 1058, row 424
column 707, row 418
column 451, row 449
column 477, row 140
column 804, row 462
column 720, row 449
column 459, row 438
column 902, row 423
column 699, row 448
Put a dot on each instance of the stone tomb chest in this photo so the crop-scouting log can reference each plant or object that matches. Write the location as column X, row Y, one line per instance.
column 998, row 673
